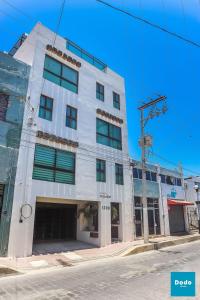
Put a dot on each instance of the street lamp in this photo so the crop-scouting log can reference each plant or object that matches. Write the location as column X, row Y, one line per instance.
column 197, row 188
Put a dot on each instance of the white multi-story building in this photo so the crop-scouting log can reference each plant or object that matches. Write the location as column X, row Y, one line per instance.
column 73, row 177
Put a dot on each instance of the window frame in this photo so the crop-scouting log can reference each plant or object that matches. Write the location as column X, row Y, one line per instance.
column 178, row 180
column 110, row 138
column 71, row 118
column 45, row 108
column 100, row 170
column 118, row 174
column 139, row 173
column 151, row 174
column 54, row 168
column 60, row 77
column 116, row 104
column 99, row 93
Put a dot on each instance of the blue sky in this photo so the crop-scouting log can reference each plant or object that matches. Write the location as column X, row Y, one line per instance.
column 151, row 61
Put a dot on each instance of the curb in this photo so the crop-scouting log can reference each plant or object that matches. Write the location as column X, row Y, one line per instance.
column 160, row 245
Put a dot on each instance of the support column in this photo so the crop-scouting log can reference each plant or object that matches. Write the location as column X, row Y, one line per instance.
column 166, row 216
column 104, row 223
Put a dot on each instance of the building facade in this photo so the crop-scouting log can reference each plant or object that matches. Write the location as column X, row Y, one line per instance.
column 192, row 189
column 13, row 88
column 166, row 200
column 73, row 174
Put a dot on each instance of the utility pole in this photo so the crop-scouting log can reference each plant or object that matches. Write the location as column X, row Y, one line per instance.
column 144, row 142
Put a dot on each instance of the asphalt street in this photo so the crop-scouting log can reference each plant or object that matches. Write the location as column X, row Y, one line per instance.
column 144, row 276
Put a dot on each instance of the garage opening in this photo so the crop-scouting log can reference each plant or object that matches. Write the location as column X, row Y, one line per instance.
column 176, row 219
column 55, row 222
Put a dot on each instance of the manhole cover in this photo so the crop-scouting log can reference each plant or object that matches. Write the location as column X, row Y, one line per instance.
column 7, row 271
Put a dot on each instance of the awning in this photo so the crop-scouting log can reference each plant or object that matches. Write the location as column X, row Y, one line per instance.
column 172, row 202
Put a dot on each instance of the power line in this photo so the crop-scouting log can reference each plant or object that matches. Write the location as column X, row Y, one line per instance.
column 59, row 20
column 147, row 22
column 19, row 10
column 173, row 163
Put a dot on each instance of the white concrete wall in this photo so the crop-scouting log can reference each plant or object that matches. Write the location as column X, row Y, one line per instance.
column 191, row 194
column 86, row 188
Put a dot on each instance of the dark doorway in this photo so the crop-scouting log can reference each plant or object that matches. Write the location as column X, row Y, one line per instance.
column 55, row 222
column 115, row 222
column 176, row 219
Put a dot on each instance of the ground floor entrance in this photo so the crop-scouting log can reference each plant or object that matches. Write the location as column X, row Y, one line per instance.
column 55, row 222
column 153, row 216
column 176, row 219
column 115, row 221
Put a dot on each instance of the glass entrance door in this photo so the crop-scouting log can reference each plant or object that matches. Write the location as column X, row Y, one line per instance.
column 115, row 221
column 153, row 217
column 139, row 222
column 151, row 221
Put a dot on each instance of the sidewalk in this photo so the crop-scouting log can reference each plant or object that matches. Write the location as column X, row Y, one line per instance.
column 9, row 266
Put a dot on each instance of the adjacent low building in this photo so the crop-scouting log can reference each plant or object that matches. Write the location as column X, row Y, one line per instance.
column 166, row 200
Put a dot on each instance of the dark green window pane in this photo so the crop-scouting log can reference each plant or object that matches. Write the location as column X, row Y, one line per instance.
column 102, row 127
column 116, row 100
column 68, row 123
column 69, row 74
column 103, row 140
column 108, row 134
column 64, row 177
column 52, row 65
column 73, row 113
column 43, row 174
column 100, row 96
column 46, row 108
column 48, row 115
column 115, row 144
column 65, row 160
column 54, row 165
column 42, row 100
column 42, row 113
column 71, row 117
column 60, row 74
column 115, row 132
column 119, row 178
column 99, row 91
column 53, row 78
column 100, row 170
column 49, row 103
column 69, row 86
column 44, row 155
column 73, row 124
